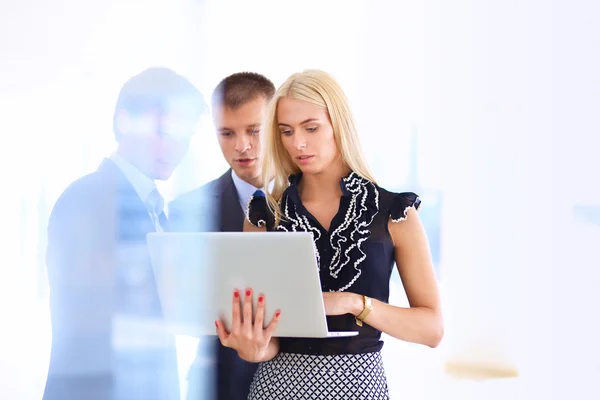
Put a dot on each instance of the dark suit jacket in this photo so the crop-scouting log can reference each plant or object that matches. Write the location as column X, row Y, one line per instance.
column 101, row 287
column 215, row 207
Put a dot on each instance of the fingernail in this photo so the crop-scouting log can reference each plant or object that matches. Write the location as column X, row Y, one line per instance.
column 236, row 294
column 248, row 292
column 260, row 299
column 277, row 313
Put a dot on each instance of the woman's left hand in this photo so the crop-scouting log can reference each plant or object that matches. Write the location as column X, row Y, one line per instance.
column 340, row 303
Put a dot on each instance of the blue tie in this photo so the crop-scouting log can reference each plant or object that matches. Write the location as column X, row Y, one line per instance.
column 259, row 193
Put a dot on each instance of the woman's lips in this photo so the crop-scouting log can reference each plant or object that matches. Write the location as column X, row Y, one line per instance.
column 304, row 159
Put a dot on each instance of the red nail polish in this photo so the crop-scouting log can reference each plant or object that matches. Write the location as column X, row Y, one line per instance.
column 236, row 294
column 260, row 299
column 248, row 292
column 277, row 313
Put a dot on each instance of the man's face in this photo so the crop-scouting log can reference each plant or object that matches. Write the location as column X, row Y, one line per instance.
column 156, row 143
column 239, row 137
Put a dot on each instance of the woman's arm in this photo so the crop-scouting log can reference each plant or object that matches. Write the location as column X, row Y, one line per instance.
column 422, row 322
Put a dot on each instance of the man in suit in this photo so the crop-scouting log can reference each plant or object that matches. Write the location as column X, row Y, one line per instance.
column 107, row 338
column 239, row 105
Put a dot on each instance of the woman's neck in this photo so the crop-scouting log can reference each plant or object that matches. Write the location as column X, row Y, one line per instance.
column 325, row 184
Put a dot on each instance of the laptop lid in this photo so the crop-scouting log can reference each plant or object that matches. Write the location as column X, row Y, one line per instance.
column 196, row 274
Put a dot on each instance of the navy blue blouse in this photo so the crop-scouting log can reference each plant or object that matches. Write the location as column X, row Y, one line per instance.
column 355, row 255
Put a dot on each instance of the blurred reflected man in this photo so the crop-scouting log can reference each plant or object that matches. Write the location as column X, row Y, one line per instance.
column 107, row 341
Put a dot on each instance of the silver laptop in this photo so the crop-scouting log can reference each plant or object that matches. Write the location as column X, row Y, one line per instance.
column 196, row 274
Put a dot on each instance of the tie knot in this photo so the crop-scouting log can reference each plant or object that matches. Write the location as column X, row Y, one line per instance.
column 259, row 193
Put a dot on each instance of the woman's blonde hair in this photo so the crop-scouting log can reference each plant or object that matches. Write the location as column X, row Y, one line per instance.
column 321, row 89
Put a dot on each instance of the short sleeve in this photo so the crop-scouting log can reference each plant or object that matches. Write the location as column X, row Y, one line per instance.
column 257, row 210
column 401, row 203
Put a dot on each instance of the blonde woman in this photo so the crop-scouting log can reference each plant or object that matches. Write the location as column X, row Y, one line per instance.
column 322, row 185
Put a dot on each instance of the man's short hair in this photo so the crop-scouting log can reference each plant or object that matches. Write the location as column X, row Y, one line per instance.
column 240, row 88
column 158, row 89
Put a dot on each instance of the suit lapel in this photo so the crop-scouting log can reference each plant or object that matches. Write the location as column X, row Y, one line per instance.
column 134, row 220
column 231, row 214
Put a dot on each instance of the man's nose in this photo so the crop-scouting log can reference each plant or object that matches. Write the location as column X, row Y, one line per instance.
column 242, row 144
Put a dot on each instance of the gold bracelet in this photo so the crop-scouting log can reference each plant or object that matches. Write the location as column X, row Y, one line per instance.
column 368, row 307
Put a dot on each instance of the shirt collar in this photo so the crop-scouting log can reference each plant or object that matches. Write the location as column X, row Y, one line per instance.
column 142, row 185
column 245, row 190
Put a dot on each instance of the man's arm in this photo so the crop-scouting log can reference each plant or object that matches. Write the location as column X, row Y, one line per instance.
column 80, row 262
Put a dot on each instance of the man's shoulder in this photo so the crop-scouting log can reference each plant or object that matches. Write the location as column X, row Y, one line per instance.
column 205, row 193
column 196, row 196
column 194, row 211
column 86, row 190
column 90, row 196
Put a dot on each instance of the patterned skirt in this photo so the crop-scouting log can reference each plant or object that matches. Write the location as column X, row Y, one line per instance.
column 302, row 377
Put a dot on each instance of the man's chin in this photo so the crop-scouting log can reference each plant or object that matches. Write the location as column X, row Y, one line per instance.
column 163, row 174
column 247, row 174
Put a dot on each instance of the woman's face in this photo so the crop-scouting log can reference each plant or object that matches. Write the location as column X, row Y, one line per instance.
column 307, row 135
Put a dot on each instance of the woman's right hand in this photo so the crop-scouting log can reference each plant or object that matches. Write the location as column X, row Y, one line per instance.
column 248, row 337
